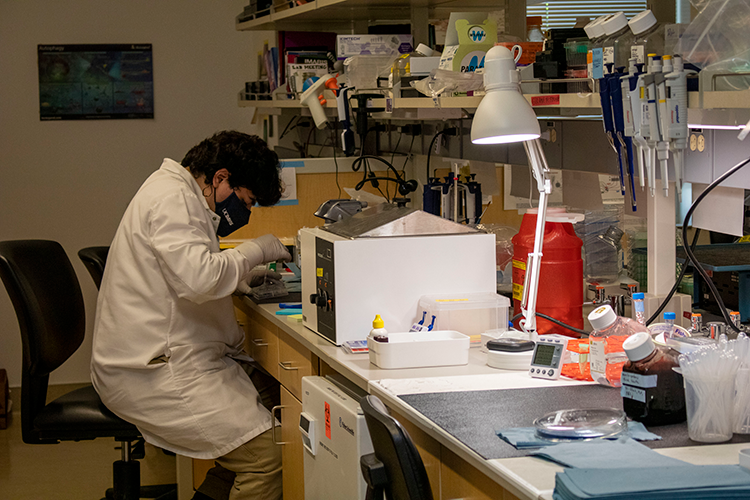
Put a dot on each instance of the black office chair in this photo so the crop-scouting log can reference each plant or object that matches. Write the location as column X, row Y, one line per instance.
column 395, row 467
column 94, row 258
column 47, row 298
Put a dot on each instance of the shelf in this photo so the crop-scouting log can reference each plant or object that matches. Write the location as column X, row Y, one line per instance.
column 719, row 108
column 343, row 13
column 558, row 104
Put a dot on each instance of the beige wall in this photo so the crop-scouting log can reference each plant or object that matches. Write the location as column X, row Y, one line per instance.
column 71, row 181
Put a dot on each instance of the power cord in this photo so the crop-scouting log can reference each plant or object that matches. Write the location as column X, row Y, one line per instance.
column 445, row 131
column 556, row 321
column 689, row 251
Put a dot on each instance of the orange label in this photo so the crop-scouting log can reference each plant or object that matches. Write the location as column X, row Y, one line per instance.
column 328, row 420
column 545, row 100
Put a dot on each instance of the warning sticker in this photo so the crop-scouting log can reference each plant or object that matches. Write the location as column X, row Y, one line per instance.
column 328, row 420
column 519, row 264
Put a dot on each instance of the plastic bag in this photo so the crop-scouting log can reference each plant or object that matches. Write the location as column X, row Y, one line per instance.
column 443, row 81
column 362, row 72
column 503, row 243
column 717, row 40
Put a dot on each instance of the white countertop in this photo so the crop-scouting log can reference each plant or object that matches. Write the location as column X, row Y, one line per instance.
column 526, row 477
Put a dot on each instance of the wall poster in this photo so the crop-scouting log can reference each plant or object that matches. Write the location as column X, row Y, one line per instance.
column 106, row 81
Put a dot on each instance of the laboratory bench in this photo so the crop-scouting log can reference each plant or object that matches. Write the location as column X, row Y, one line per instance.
column 451, row 413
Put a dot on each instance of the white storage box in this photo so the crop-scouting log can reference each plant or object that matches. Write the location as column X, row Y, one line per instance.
column 420, row 350
column 471, row 313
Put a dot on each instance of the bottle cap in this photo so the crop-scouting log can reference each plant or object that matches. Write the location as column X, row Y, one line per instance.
column 596, row 27
column 615, row 23
column 534, row 21
column 638, row 346
column 642, row 21
column 638, row 296
column 425, row 50
column 378, row 322
column 602, row 317
column 670, row 315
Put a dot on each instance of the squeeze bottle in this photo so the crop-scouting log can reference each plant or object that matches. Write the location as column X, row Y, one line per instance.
column 378, row 332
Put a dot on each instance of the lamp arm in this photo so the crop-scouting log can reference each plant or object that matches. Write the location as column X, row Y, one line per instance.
column 534, row 262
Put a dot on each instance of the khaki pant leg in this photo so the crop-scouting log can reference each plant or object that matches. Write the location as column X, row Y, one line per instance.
column 257, row 465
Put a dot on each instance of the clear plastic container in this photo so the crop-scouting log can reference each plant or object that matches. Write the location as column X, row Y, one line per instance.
column 652, row 392
column 617, row 44
column 471, row 313
column 602, row 258
column 606, row 354
column 534, row 29
column 582, row 424
column 596, row 33
column 648, row 36
column 576, row 50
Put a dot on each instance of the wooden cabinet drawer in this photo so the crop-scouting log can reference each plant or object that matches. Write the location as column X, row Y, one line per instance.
column 295, row 362
column 262, row 343
column 292, row 457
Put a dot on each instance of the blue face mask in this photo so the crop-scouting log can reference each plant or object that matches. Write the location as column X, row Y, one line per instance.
column 234, row 214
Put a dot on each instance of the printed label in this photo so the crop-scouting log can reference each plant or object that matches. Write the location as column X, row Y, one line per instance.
column 517, row 291
column 519, row 264
column 638, row 52
column 319, row 272
column 629, row 392
column 608, row 57
column 597, row 68
column 328, row 419
column 638, row 380
column 598, row 358
column 546, row 100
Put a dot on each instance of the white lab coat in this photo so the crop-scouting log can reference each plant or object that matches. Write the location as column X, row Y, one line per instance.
column 166, row 334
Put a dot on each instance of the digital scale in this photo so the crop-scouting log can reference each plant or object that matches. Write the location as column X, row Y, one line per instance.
column 549, row 353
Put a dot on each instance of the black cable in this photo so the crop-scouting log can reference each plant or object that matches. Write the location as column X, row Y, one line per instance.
column 398, row 142
column 335, row 162
column 408, row 153
column 676, row 283
column 287, row 129
column 362, row 158
column 556, row 321
column 690, row 253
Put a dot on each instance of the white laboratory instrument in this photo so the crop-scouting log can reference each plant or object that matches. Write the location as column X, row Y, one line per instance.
column 381, row 261
column 335, row 436
column 548, row 357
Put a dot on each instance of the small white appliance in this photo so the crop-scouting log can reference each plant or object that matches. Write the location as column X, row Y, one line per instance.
column 382, row 261
column 335, row 436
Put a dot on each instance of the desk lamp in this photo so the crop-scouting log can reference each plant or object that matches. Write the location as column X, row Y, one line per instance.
column 504, row 116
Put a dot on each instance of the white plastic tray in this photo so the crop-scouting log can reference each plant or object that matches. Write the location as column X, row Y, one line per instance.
column 420, row 349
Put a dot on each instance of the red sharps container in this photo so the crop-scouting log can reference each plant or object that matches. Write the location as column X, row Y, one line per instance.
column 561, row 275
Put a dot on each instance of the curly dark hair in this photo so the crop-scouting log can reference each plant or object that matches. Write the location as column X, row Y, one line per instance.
column 247, row 158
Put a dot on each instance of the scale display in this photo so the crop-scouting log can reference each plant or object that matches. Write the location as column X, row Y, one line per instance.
column 548, row 356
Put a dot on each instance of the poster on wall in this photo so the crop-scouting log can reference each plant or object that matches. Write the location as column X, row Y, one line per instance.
column 90, row 82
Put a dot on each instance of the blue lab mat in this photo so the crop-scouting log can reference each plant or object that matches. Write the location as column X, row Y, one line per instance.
column 474, row 417
column 665, row 483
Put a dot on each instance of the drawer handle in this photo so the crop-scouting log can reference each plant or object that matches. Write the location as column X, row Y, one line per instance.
column 259, row 343
column 287, row 365
column 273, row 424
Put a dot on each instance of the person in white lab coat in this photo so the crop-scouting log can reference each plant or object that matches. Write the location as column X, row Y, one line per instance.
column 167, row 349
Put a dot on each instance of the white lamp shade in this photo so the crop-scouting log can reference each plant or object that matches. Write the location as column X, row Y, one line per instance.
column 504, row 116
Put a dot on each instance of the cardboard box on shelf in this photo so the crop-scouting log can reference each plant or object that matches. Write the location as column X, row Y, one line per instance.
column 474, row 40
